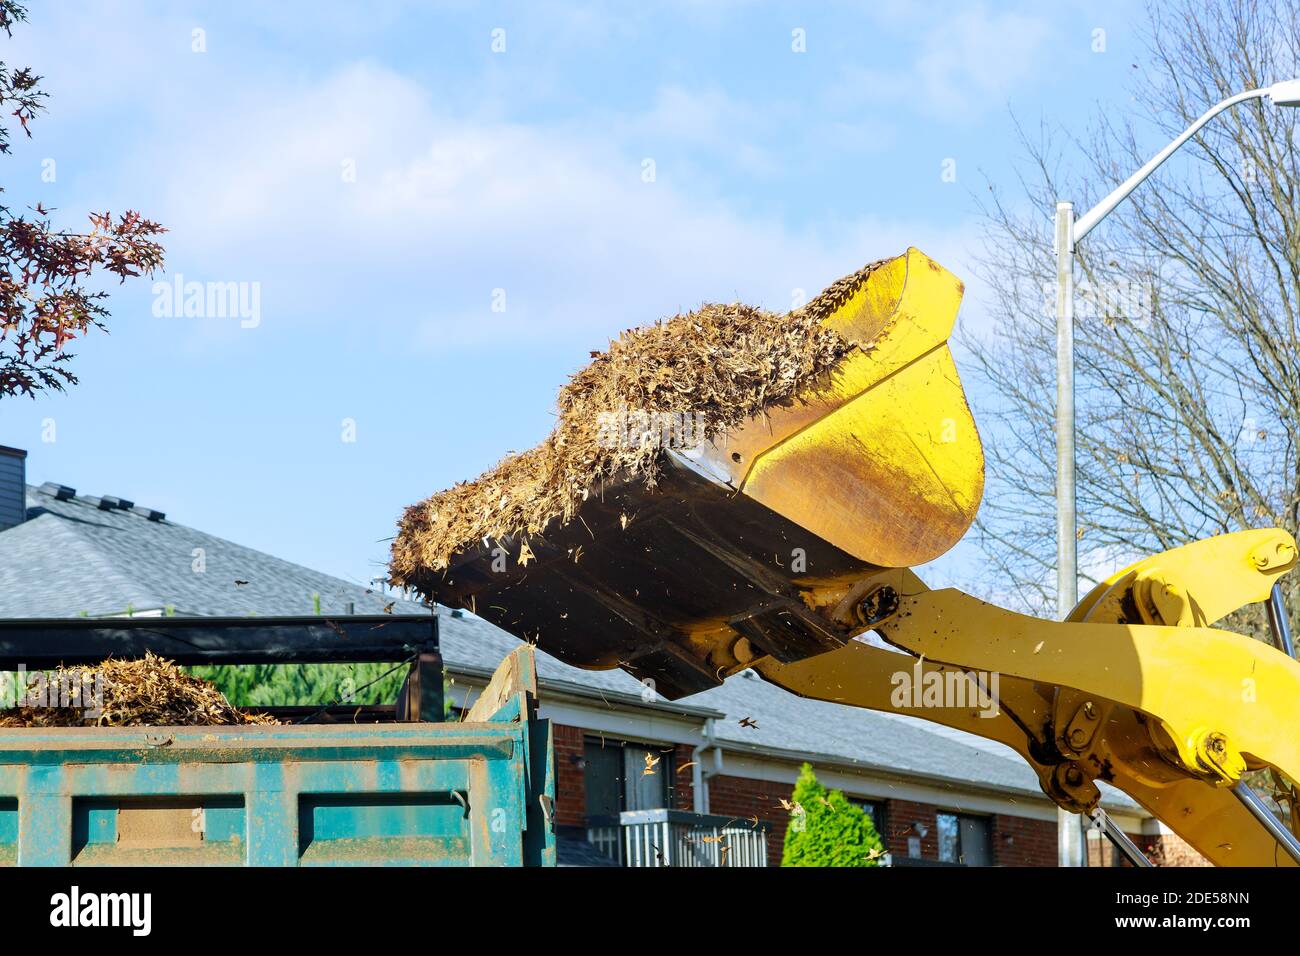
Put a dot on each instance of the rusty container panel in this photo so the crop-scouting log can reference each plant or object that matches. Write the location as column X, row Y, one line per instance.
column 409, row 794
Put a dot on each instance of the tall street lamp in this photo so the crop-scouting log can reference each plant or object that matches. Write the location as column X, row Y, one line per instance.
column 1069, row 232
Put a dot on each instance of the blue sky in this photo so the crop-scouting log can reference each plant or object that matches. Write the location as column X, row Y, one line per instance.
column 483, row 177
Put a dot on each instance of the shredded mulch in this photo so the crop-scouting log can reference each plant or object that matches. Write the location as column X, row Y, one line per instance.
column 721, row 365
column 149, row 692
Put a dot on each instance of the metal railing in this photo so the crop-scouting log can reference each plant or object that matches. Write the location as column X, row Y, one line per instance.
column 679, row 838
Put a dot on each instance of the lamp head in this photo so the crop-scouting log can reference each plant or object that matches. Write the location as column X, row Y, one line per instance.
column 1286, row 93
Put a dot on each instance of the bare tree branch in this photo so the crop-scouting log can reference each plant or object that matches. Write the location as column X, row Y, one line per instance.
column 1187, row 317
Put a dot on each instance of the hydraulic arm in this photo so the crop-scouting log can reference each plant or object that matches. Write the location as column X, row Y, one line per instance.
column 1137, row 689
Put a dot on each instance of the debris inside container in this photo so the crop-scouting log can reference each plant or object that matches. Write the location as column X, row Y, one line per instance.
column 148, row 692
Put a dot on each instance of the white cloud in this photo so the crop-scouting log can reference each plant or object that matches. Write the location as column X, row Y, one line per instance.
column 973, row 60
column 451, row 202
column 969, row 61
column 448, row 207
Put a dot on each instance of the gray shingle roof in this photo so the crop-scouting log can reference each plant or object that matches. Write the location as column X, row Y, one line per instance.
column 71, row 558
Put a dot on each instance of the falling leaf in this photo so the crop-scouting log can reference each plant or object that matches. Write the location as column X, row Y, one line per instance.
column 749, row 722
column 651, row 761
column 1039, row 646
column 525, row 553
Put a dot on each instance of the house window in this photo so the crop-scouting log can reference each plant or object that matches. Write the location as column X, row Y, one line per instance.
column 625, row 776
column 876, row 810
column 964, row 839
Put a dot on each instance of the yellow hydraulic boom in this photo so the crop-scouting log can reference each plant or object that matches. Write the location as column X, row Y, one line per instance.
column 776, row 547
column 1170, row 711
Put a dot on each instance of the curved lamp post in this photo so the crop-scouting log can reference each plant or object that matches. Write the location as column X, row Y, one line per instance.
column 1069, row 232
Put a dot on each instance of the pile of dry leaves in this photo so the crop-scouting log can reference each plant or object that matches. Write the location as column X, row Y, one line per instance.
column 149, row 692
column 721, row 365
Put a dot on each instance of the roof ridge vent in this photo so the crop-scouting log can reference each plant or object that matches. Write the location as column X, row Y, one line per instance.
column 58, row 492
column 149, row 513
column 112, row 502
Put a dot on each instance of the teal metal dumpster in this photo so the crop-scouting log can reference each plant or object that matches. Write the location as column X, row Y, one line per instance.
column 474, row 793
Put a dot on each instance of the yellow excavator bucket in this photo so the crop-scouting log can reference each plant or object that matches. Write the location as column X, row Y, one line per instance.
column 747, row 541
column 883, row 460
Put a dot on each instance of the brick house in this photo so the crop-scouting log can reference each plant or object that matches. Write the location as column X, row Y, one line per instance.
column 937, row 796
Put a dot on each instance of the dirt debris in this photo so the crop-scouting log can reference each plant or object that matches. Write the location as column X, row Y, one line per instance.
column 703, row 371
column 149, row 692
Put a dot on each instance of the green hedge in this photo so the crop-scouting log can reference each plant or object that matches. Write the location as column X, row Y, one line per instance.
column 268, row 685
column 826, row 830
